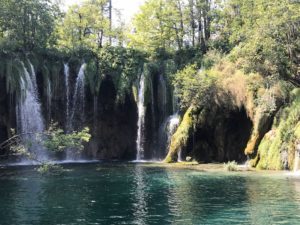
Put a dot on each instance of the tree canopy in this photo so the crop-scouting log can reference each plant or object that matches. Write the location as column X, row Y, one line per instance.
column 259, row 35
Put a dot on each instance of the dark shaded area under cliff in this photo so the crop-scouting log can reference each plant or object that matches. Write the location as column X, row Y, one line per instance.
column 222, row 138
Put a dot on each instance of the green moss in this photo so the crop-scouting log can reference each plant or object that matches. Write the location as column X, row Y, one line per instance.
column 135, row 93
column 278, row 146
column 297, row 131
column 269, row 153
column 180, row 137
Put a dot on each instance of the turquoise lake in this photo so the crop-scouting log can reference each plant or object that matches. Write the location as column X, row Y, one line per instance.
column 140, row 194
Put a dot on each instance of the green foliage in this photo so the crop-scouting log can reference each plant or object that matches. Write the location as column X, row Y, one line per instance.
column 265, row 34
column 123, row 65
column 19, row 150
column 172, row 25
column 50, row 168
column 26, row 24
column 231, row 166
column 58, row 141
column 83, row 26
column 211, row 58
column 194, row 86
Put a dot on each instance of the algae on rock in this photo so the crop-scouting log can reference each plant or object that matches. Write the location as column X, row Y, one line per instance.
column 180, row 137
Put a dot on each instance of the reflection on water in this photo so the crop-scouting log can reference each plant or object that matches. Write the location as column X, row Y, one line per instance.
column 139, row 194
column 140, row 206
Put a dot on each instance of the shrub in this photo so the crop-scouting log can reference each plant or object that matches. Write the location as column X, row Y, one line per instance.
column 231, row 166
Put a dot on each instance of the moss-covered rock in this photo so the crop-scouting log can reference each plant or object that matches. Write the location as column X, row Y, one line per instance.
column 277, row 149
column 247, row 103
column 179, row 139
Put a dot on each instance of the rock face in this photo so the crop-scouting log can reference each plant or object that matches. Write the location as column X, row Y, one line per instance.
column 114, row 128
column 212, row 134
column 4, row 125
column 113, row 123
column 223, row 137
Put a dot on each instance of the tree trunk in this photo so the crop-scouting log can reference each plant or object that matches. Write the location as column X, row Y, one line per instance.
column 192, row 22
column 110, row 21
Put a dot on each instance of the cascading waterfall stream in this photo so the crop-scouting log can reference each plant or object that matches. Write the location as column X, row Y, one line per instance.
column 141, row 120
column 67, row 75
column 28, row 112
column 163, row 96
column 173, row 123
column 77, row 114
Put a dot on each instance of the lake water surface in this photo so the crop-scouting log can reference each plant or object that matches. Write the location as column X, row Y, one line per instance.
column 139, row 194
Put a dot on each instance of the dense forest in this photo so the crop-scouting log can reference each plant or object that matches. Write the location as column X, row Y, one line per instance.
column 228, row 68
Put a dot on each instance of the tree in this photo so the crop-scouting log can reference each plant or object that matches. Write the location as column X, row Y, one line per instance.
column 172, row 25
column 27, row 24
column 157, row 27
column 88, row 25
column 266, row 35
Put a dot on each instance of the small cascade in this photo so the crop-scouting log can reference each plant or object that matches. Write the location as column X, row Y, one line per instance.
column 67, row 75
column 76, row 116
column 172, row 127
column 173, row 124
column 141, row 120
column 29, row 117
column 297, row 156
column 247, row 163
column 166, row 132
column 77, row 112
column 163, row 96
column 179, row 156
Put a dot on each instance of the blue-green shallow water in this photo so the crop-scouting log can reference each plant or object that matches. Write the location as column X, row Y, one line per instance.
column 138, row 194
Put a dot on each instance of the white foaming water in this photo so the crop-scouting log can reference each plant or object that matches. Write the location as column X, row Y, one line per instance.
column 172, row 125
column 67, row 74
column 29, row 117
column 163, row 96
column 141, row 120
column 78, row 98
column 77, row 113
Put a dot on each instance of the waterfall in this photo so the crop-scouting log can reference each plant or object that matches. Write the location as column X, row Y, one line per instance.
column 77, row 112
column 67, row 74
column 166, row 132
column 172, row 127
column 141, row 119
column 29, row 116
column 76, row 116
column 163, row 96
column 173, row 124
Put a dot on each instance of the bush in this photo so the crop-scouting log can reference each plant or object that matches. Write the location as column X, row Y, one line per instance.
column 231, row 166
